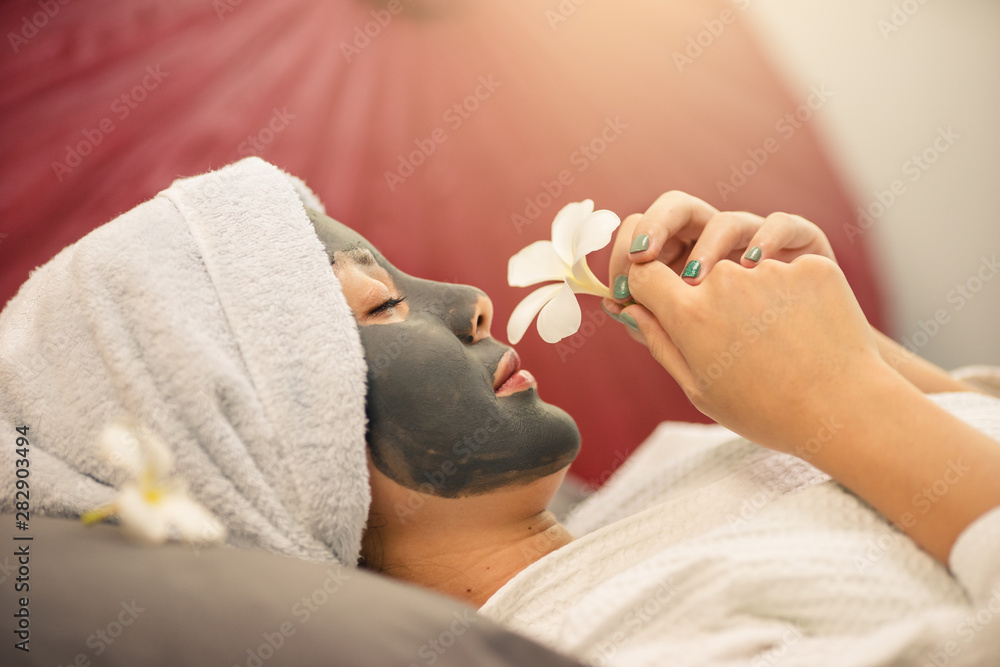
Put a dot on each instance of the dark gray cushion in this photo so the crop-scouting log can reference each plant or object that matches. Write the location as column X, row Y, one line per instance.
column 96, row 599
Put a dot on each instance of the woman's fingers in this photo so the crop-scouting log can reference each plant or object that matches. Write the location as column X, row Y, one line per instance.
column 749, row 239
column 692, row 237
column 615, row 309
column 661, row 345
column 725, row 236
column 619, row 264
column 664, row 232
column 674, row 215
column 658, row 280
column 784, row 237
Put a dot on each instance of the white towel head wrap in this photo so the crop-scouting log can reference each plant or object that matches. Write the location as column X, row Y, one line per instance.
column 210, row 314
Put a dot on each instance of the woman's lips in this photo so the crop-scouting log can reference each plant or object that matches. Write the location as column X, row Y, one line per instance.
column 516, row 382
column 510, row 378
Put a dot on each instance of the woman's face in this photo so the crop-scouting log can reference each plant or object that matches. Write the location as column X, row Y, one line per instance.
column 450, row 413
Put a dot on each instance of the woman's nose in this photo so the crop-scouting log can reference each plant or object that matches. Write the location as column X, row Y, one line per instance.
column 482, row 318
column 465, row 310
column 469, row 313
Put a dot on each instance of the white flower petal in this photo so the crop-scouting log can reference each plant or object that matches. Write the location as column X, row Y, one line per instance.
column 535, row 264
column 576, row 231
column 140, row 519
column 560, row 317
column 527, row 309
column 119, row 445
column 585, row 282
column 159, row 458
column 135, row 449
column 565, row 225
column 594, row 233
column 190, row 520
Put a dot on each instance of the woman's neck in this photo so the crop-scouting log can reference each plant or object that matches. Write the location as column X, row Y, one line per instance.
column 478, row 558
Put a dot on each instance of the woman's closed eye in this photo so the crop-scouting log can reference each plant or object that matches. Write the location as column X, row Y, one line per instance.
column 386, row 307
column 368, row 287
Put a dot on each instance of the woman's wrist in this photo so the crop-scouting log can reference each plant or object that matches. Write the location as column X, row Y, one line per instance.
column 834, row 407
column 923, row 469
column 924, row 375
column 866, row 408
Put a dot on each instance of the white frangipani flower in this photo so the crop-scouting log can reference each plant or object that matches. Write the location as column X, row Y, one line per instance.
column 151, row 507
column 576, row 231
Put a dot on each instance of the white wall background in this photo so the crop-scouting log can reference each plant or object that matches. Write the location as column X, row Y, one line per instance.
column 893, row 90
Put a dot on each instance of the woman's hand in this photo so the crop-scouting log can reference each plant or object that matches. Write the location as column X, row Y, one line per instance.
column 783, row 355
column 763, row 351
column 679, row 228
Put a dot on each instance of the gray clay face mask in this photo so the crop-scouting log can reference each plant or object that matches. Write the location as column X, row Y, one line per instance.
column 439, row 421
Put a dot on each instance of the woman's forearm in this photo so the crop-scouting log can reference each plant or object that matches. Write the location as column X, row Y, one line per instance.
column 928, row 472
column 924, row 375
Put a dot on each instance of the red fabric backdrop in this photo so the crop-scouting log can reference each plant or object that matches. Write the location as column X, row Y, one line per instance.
column 104, row 103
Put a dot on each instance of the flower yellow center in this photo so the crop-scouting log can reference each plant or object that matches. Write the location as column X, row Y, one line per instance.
column 153, row 494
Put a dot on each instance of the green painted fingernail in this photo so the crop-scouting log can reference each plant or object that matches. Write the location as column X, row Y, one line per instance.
column 692, row 269
column 621, row 288
column 640, row 243
column 628, row 321
column 753, row 254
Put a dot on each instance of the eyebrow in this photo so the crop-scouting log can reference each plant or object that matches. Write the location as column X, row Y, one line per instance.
column 356, row 254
